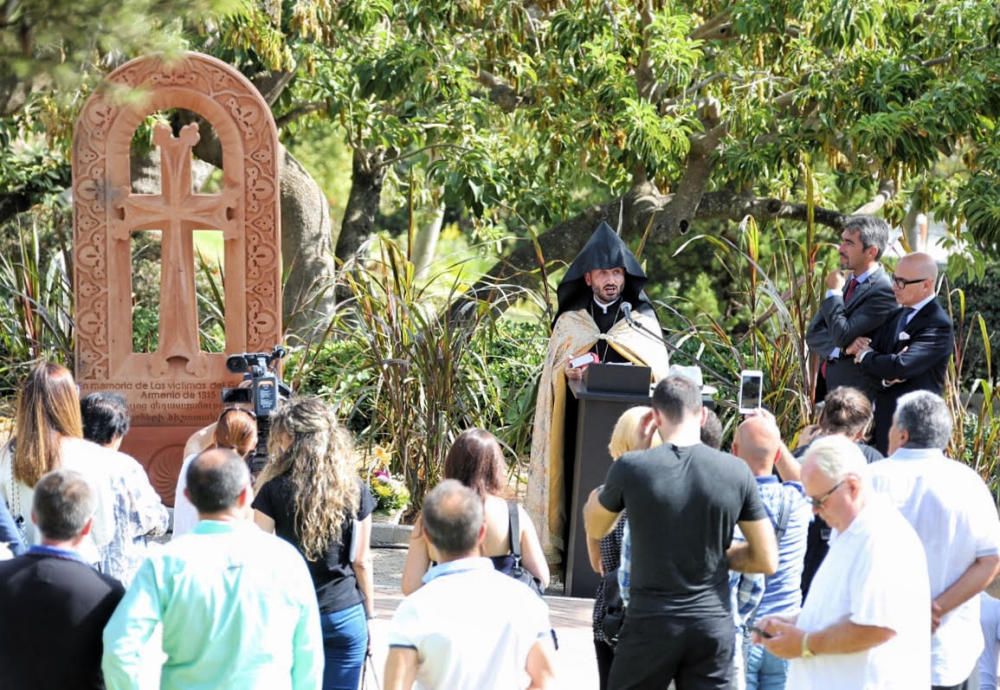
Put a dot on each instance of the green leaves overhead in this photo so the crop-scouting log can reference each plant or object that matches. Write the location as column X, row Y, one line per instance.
column 652, row 138
column 527, row 113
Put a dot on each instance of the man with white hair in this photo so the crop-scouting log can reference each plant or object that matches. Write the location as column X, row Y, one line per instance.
column 955, row 517
column 865, row 622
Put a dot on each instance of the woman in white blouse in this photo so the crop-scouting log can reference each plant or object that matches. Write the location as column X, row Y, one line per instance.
column 48, row 434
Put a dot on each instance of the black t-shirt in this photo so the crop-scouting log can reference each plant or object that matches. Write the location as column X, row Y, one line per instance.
column 333, row 577
column 683, row 504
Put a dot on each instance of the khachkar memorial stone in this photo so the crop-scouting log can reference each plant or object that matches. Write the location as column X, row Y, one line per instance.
column 174, row 390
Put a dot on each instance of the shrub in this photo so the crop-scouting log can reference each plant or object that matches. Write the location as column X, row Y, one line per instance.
column 408, row 373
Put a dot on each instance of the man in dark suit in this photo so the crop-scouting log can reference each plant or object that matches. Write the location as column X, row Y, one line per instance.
column 53, row 605
column 854, row 308
column 910, row 352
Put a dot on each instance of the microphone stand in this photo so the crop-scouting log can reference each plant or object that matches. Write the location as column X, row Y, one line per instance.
column 658, row 337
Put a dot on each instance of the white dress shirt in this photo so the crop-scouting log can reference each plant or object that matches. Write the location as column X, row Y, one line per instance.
column 874, row 574
column 989, row 619
column 954, row 515
column 471, row 626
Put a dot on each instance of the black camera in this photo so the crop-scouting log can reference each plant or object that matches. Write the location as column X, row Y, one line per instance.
column 264, row 392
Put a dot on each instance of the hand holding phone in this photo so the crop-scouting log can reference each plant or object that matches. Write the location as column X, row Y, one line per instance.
column 583, row 360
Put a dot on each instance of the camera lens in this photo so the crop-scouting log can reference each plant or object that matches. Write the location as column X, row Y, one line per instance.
column 236, row 364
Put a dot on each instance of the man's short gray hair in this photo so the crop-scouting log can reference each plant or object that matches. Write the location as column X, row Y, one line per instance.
column 62, row 504
column 926, row 419
column 836, row 456
column 452, row 515
column 874, row 232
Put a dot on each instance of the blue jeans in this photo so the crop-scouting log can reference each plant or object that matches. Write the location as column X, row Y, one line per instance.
column 764, row 670
column 345, row 641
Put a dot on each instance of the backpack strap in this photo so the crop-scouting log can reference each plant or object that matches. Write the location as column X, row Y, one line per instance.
column 513, row 519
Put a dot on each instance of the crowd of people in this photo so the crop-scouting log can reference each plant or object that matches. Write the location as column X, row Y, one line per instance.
column 873, row 557
column 263, row 584
column 836, row 564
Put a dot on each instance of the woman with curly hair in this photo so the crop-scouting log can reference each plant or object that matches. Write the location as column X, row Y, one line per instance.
column 310, row 495
column 476, row 460
column 48, row 435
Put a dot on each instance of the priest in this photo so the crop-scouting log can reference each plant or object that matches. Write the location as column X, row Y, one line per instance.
column 604, row 311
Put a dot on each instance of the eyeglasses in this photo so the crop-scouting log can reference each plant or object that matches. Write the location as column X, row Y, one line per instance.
column 901, row 283
column 818, row 502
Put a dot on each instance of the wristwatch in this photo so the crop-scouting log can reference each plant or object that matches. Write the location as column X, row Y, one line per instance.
column 806, row 652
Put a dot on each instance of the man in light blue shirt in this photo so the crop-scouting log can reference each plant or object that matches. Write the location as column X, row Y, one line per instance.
column 758, row 442
column 237, row 606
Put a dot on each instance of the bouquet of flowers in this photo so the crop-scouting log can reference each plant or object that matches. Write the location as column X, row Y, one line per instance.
column 390, row 493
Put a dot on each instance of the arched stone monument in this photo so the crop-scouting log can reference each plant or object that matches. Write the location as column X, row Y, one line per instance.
column 174, row 390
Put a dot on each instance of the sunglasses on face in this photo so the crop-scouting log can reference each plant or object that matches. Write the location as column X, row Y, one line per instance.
column 900, row 283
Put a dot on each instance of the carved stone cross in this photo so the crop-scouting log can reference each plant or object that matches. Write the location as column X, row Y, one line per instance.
column 177, row 212
column 175, row 390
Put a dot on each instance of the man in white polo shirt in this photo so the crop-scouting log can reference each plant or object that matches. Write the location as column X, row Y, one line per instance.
column 955, row 517
column 865, row 622
column 469, row 626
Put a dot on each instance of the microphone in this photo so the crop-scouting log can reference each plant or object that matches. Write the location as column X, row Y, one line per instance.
column 627, row 311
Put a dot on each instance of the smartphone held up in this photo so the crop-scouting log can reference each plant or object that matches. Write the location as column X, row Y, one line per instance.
column 751, row 390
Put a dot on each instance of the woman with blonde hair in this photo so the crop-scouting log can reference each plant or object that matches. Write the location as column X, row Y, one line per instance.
column 634, row 430
column 310, row 495
column 48, row 435
column 236, row 428
column 476, row 460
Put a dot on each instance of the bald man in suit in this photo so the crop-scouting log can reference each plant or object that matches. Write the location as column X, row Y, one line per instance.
column 911, row 351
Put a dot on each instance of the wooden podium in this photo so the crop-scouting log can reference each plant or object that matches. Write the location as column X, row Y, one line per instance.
column 587, row 461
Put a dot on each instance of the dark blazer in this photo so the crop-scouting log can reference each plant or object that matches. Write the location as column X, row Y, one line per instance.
column 917, row 362
column 837, row 324
column 52, row 613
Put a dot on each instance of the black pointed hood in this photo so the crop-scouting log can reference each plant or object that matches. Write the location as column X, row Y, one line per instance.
column 604, row 249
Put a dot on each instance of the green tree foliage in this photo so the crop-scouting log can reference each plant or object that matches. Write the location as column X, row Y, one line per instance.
column 52, row 52
column 528, row 114
column 522, row 116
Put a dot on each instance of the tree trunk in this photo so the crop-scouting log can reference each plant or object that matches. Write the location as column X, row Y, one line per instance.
column 367, row 176
column 425, row 243
column 306, row 250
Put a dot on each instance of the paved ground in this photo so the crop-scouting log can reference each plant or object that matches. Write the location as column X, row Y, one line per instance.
column 575, row 664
